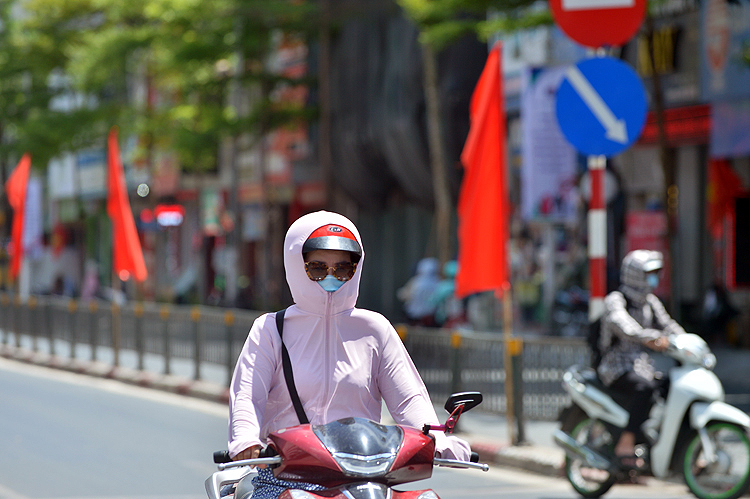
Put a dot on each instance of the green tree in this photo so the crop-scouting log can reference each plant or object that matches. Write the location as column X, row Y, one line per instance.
column 184, row 76
column 190, row 54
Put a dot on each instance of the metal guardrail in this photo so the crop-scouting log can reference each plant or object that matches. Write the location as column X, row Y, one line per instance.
column 201, row 335
column 452, row 361
column 448, row 361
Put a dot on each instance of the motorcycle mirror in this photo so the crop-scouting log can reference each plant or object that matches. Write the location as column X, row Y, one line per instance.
column 468, row 399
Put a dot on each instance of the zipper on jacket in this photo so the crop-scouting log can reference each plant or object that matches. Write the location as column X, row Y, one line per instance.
column 327, row 357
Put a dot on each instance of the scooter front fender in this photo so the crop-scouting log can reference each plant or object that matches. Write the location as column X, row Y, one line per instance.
column 703, row 412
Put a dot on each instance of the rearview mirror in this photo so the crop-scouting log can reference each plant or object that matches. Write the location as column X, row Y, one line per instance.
column 468, row 399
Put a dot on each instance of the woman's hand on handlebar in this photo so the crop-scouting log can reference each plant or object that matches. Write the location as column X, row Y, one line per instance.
column 659, row 344
column 251, row 452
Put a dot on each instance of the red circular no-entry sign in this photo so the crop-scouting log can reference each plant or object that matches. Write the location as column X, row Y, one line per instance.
column 599, row 23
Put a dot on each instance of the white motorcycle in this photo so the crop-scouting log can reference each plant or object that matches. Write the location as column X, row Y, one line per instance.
column 691, row 431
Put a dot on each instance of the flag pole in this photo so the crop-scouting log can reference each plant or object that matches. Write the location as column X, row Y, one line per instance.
column 508, row 361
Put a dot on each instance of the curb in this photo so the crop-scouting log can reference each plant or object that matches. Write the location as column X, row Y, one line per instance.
column 542, row 460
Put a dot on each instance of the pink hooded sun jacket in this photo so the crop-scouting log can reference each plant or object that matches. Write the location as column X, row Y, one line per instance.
column 346, row 360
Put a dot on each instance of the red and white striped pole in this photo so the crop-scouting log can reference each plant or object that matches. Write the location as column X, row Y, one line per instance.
column 597, row 220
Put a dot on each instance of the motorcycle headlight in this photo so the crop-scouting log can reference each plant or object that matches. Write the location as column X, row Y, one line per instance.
column 428, row 494
column 364, row 466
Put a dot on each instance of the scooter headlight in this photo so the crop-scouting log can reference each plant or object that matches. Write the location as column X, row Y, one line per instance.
column 364, row 466
column 709, row 361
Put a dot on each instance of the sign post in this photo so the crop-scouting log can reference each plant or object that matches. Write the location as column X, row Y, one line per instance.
column 609, row 118
column 597, row 231
column 601, row 109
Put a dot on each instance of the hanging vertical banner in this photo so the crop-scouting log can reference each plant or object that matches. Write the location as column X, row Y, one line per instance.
column 127, row 255
column 15, row 188
column 483, row 206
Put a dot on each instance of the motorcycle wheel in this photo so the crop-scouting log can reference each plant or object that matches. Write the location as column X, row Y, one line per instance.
column 729, row 476
column 588, row 481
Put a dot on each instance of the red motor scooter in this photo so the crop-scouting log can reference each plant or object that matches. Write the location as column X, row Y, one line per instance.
column 354, row 458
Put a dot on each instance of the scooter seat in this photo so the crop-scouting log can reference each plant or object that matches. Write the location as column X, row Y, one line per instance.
column 590, row 377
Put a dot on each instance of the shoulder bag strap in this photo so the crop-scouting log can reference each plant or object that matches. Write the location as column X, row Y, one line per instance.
column 288, row 374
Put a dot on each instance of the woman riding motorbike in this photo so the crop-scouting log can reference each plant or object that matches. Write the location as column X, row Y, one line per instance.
column 346, row 360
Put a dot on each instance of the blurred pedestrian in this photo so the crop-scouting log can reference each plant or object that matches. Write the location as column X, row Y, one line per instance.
column 449, row 309
column 717, row 314
column 417, row 292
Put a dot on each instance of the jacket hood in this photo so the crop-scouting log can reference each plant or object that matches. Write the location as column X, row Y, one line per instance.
column 307, row 294
column 635, row 266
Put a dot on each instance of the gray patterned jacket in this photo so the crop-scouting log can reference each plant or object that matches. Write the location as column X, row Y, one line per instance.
column 634, row 321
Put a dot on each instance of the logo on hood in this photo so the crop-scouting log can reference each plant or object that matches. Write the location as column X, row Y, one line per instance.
column 333, row 237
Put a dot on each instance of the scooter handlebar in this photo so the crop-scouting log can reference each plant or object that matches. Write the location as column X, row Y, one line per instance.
column 251, row 462
column 222, row 456
column 454, row 463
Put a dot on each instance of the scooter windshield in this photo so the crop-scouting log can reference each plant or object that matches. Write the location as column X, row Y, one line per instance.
column 362, row 448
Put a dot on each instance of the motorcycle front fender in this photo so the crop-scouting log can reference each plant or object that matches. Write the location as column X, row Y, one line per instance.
column 701, row 413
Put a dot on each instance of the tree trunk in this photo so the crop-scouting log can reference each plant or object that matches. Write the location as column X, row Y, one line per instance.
column 438, row 166
column 324, row 95
column 670, row 196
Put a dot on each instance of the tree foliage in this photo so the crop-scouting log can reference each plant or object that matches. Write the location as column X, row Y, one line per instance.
column 443, row 21
column 164, row 70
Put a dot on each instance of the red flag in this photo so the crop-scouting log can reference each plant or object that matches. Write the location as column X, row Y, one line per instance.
column 15, row 188
column 483, row 201
column 127, row 256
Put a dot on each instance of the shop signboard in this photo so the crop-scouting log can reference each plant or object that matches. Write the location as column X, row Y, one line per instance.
column 62, row 178
column 92, row 173
column 730, row 129
column 725, row 30
column 212, row 206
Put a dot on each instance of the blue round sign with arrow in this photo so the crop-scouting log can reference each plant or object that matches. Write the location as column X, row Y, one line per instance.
column 601, row 106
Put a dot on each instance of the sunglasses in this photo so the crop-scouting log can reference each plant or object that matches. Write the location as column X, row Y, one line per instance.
column 317, row 271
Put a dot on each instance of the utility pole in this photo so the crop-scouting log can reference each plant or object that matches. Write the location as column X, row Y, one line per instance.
column 233, row 249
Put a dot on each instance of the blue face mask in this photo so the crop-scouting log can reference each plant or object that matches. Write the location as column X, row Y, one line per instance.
column 652, row 280
column 330, row 283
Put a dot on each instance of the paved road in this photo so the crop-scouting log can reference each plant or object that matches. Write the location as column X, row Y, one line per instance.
column 513, row 484
column 71, row 436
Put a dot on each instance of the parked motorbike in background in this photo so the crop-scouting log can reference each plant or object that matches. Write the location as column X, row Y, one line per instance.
column 354, row 458
column 691, row 431
column 569, row 316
